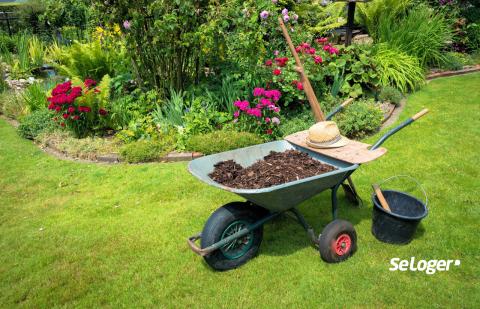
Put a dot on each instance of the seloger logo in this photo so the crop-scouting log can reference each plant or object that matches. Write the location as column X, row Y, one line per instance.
column 429, row 267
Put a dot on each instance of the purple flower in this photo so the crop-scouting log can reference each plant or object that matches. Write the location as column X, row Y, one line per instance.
column 264, row 14
column 275, row 120
column 258, row 92
column 286, row 18
column 284, row 12
column 127, row 24
column 267, row 119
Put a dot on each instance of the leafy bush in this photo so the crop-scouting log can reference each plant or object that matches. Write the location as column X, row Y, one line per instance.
column 453, row 62
column 398, row 69
column 12, row 105
column 390, row 94
column 35, row 97
column 296, row 122
column 39, row 121
column 219, row 141
column 422, row 33
column 359, row 119
column 145, row 150
column 80, row 108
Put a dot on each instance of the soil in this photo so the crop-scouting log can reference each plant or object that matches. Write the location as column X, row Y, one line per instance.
column 275, row 169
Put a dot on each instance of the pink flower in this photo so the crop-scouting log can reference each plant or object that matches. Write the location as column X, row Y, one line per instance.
column 327, row 47
column 258, row 92
column 267, row 119
column 333, row 51
column 275, row 120
column 299, row 86
column 236, row 114
column 273, row 94
column 71, row 109
column 126, row 24
column 277, row 72
column 242, row 105
column 269, row 131
column 264, row 14
column 89, row 83
column 311, row 51
column 265, row 102
column 254, row 112
column 276, row 53
column 286, row 18
column 284, row 12
column 269, row 63
column 322, row 40
column 318, row 59
column 281, row 62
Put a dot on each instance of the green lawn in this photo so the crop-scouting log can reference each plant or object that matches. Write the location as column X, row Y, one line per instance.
column 87, row 235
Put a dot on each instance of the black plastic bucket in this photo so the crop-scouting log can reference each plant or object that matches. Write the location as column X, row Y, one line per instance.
column 398, row 226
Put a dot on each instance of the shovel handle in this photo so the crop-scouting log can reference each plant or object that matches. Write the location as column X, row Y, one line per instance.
column 398, row 128
column 339, row 108
column 380, row 197
column 312, row 98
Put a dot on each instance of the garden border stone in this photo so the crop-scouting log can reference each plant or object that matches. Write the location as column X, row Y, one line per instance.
column 466, row 70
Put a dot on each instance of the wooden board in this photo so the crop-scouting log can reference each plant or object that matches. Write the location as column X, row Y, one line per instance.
column 354, row 152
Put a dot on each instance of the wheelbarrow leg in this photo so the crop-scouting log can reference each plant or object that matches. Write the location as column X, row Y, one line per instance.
column 301, row 220
column 351, row 192
column 335, row 201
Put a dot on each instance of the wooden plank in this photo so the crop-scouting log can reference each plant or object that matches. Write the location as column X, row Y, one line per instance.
column 354, row 152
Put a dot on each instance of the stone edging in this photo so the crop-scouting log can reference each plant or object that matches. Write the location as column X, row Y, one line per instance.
column 467, row 70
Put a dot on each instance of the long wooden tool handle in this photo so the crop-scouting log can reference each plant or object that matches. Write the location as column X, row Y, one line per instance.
column 312, row 99
column 420, row 114
column 381, row 198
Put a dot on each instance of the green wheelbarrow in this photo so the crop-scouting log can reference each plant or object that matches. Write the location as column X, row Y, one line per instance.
column 233, row 233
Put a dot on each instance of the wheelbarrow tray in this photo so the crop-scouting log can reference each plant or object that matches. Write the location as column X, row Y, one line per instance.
column 277, row 198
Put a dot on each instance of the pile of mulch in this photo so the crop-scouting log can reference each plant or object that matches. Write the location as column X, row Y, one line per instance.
column 275, row 169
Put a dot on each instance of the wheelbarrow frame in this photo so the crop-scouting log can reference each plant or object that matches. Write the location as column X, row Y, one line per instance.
column 348, row 170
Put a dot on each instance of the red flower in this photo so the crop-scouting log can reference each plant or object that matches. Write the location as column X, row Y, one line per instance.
column 62, row 124
column 269, row 63
column 269, row 131
column 89, row 83
column 102, row 112
column 76, row 117
column 84, row 109
column 281, row 62
column 318, row 59
column 277, row 72
column 65, row 116
column 311, row 51
column 71, row 109
column 51, row 106
column 62, row 88
column 322, row 40
column 299, row 86
column 58, row 108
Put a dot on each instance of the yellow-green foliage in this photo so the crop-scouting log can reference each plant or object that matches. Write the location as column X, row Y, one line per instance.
column 36, row 51
column 322, row 19
column 219, row 141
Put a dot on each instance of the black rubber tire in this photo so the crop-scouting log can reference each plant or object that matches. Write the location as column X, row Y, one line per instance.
column 219, row 221
column 330, row 234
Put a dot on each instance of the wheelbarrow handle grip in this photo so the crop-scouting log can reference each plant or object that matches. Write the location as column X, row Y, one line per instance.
column 398, row 128
column 339, row 108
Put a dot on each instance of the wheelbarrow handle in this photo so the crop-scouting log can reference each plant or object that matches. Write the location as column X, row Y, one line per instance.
column 398, row 128
column 339, row 108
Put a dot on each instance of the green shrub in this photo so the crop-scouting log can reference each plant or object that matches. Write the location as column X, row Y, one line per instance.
column 297, row 122
column 34, row 124
column 219, row 141
column 398, row 69
column 422, row 33
column 145, row 150
column 359, row 119
column 35, row 97
column 390, row 94
column 12, row 105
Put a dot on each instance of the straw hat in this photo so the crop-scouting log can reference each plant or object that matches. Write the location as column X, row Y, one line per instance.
column 325, row 134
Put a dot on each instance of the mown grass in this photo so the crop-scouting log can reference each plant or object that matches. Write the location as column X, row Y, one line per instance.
column 85, row 235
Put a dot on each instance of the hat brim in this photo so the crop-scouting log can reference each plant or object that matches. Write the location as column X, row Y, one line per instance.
column 340, row 143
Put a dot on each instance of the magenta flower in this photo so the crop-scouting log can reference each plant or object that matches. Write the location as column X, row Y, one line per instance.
column 318, row 59
column 265, row 102
column 126, row 24
column 264, row 14
column 254, row 112
column 236, row 114
column 273, row 94
column 258, row 92
column 267, row 119
column 242, row 105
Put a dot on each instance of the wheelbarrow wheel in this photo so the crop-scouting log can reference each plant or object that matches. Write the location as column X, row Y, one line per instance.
column 226, row 221
column 338, row 241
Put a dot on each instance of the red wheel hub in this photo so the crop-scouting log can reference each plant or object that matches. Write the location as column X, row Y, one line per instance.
column 342, row 244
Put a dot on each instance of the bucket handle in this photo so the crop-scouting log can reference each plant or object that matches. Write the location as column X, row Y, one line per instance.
column 412, row 179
